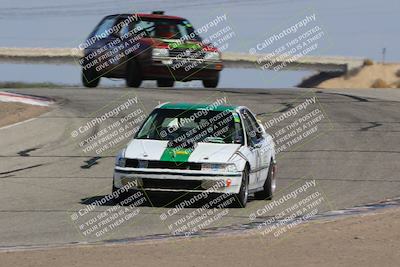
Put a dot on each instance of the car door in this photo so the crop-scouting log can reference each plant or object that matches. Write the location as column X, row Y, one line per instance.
column 253, row 142
column 263, row 140
column 265, row 151
column 116, row 46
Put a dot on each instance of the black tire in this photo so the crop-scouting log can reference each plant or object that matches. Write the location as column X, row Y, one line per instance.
column 165, row 83
column 213, row 83
column 268, row 189
column 133, row 74
column 242, row 197
column 90, row 78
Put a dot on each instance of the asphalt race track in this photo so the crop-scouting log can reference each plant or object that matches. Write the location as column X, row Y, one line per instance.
column 45, row 177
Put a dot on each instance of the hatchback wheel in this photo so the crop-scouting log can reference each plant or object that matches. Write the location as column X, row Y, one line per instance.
column 90, row 78
column 213, row 83
column 133, row 75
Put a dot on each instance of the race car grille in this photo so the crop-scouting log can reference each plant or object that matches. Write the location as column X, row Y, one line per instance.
column 132, row 163
column 186, row 53
column 153, row 164
column 172, row 184
column 156, row 164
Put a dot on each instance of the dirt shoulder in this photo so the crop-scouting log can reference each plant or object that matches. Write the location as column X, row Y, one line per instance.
column 368, row 240
column 12, row 112
column 372, row 76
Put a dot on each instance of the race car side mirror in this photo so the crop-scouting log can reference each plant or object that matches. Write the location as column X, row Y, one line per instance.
column 258, row 145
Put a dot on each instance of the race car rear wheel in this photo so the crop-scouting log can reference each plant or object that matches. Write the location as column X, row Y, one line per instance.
column 165, row 83
column 269, row 185
column 242, row 196
column 90, row 78
column 133, row 75
column 213, row 83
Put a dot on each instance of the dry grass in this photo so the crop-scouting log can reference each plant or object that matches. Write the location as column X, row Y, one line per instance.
column 379, row 83
column 12, row 112
column 373, row 76
column 368, row 62
column 20, row 85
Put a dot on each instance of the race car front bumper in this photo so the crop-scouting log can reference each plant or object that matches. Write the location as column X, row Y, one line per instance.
column 184, row 69
column 177, row 180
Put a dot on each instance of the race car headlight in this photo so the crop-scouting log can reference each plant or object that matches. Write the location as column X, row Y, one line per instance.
column 230, row 168
column 219, row 167
column 120, row 161
column 160, row 52
column 212, row 56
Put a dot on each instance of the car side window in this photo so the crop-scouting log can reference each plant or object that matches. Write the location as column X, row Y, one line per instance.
column 259, row 131
column 251, row 130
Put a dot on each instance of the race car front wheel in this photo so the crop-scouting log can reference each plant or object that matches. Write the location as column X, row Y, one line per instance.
column 242, row 196
column 90, row 78
column 133, row 75
column 269, row 185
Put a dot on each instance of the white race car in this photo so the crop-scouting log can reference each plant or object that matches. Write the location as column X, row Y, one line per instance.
column 197, row 147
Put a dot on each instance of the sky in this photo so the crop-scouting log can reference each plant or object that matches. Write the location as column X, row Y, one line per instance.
column 351, row 28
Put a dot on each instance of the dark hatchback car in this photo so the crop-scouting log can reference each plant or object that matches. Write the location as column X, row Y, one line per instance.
column 138, row 47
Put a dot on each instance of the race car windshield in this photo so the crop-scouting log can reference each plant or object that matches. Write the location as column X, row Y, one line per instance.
column 103, row 30
column 153, row 28
column 167, row 28
column 192, row 126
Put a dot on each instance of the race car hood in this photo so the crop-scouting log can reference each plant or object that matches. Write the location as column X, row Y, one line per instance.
column 177, row 44
column 158, row 150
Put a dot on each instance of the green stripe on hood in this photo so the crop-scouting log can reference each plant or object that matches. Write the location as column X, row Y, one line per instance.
column 176, row 154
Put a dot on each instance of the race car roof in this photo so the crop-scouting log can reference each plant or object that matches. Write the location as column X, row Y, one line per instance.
column 158, row 16
column 154, row 16
column 192, row 106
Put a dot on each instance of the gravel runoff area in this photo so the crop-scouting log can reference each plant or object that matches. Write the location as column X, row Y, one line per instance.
column 365, row 240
